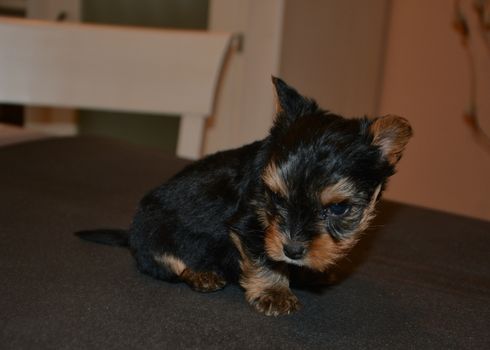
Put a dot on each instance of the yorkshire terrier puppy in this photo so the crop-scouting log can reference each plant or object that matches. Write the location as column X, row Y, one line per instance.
column 301, row 197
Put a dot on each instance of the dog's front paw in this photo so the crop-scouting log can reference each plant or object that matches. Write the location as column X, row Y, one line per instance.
column 276, row 302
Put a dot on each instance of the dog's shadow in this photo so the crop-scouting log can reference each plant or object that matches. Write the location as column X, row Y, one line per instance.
column 319, row 282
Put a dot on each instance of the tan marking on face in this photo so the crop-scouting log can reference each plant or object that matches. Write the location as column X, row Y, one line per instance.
column 274, row 180
column 263, row 217
column 391, row 133
column 369, row 212
column 323, row 251
column 274, row 242
column 175, row 265
column 338, row 192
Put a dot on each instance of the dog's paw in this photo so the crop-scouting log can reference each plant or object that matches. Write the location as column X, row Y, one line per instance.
column 276, row 302
column 204, row 282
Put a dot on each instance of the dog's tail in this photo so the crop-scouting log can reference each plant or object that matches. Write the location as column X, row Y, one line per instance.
column 112, row 237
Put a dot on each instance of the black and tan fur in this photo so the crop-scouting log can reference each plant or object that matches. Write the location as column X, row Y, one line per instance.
column 301, row 197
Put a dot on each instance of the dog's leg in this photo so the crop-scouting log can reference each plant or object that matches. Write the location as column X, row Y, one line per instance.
column 201, row 281
column 266, row 288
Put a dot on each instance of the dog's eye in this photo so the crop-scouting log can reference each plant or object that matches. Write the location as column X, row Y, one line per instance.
column 337, row 209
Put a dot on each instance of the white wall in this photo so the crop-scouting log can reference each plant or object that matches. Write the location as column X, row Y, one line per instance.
column 56, row 121
column 245, row 107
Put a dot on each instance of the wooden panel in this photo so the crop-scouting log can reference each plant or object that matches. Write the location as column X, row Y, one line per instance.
column 107, row 67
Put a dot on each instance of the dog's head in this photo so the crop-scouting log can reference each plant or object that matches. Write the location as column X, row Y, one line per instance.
column 322, row 178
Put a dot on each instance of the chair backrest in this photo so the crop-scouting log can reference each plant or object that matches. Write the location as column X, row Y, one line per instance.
column 114, row 68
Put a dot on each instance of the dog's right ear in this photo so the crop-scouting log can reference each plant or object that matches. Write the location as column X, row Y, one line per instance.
column 391, row 134
column 289, row 103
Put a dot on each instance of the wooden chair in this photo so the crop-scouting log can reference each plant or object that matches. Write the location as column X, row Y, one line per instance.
column 114, row 68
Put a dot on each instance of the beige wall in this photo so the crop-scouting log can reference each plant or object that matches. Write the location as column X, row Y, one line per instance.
column 50, row 9
column 329, row 49
column 426, row 79
column 332, row 50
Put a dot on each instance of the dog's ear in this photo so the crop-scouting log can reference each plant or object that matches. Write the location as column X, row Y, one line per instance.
column 290, row 103
column 391, row 134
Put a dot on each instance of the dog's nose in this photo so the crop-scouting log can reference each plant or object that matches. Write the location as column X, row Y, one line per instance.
column 294, row 250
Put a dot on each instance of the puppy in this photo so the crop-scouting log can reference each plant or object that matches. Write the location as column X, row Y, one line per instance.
column 301, row 197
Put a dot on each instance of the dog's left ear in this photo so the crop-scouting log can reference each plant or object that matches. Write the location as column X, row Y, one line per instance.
column 290, row 102
column 391, row 134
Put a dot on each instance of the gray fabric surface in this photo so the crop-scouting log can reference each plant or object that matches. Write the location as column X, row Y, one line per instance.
column 420, row 279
